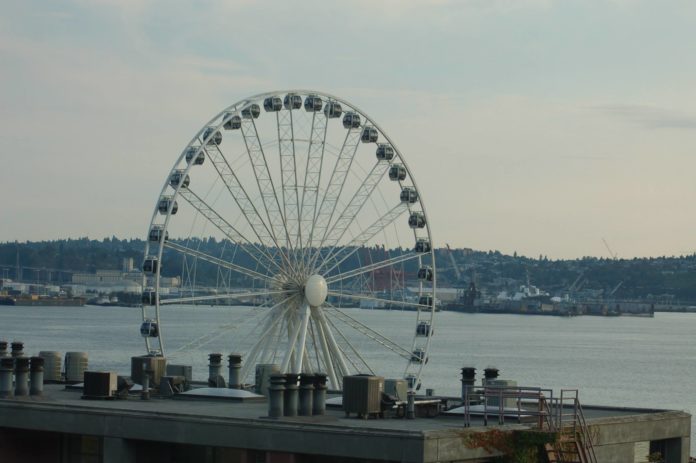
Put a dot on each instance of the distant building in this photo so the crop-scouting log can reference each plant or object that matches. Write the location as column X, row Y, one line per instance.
column 110, row 281
column 127, row 264
column 21, row 288
column 101, row 276
column 165, row 282
column 75, row 290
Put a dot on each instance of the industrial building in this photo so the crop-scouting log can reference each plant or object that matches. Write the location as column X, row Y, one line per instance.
column 231, row 425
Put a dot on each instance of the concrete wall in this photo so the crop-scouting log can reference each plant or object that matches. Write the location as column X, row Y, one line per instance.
column 126, row 432
column 616, row 437
column 265, row 435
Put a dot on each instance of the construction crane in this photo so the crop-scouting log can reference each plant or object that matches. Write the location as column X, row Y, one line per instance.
column 578, row 283
column 611, row 253
column 454, row 263
column 616, row 288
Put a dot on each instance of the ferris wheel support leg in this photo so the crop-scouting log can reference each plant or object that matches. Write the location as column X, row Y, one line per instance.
column 333, row 345
column 289, row 328
column 326, row 354
column 303, row 337
column 157, row 314
column 291, row 349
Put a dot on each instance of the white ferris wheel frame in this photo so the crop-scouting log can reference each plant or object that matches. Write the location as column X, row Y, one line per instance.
column 197, row 140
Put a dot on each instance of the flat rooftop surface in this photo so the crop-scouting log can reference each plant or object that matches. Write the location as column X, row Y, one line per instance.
column 217, row 422
column 58, row 397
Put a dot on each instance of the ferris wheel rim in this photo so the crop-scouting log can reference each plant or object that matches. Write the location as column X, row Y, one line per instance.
column 236, row 108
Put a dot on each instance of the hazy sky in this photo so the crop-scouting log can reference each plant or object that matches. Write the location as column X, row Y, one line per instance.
column 534, row 126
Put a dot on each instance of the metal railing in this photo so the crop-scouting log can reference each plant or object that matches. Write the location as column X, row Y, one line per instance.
column 561, row 415
column 530, row 403
column 577, row 430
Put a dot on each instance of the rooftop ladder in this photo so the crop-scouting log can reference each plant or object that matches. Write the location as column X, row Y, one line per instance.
column 574, row 440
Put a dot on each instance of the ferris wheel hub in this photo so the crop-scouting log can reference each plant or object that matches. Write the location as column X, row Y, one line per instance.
column 316, row 290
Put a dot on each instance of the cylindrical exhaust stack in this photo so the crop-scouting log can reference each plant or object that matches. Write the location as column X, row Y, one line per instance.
column 17, row 349
column 489, row 374
column 468, row 381
column 52, row 365
column 6, row 369
column 319, row 398
column 214, row 365
column 21, row 376
column 75, row 366
column 306, row 394
column 147, row 372
column 290, row 396
column 234, row 365
column 276, row 395
column 411, row 405
column 36, row 373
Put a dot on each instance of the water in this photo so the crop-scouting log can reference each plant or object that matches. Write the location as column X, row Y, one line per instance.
column 619, row 361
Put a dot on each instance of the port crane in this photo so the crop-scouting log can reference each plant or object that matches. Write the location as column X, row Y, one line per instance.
column 457, row 272
column 578, row 283
column 616, row 288
column 611, row 253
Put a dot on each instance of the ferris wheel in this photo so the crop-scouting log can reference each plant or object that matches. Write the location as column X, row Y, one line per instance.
column 298, row 204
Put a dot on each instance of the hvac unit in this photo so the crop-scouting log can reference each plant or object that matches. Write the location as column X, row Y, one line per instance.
column 180, row 370
column 362, row 394
column 496, row 388
column 52, row 365
column 397, row 388
column 75, row 366
column 156, row 364
column 263, row 377
column 100, row 384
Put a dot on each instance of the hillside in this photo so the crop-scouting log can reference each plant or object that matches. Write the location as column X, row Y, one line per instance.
column 659, row 277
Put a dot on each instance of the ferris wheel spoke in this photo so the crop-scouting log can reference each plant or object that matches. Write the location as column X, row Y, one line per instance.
column 339, row 227
column 314, row 345
column 216, row 261
column 288, row 173
column 252, row 249
column 350, row 347
column 213, row 297
column 300, row 357
column 292, row 341
column 369, row 332
column 372, row 267
column 270, row 351
column 326, row 354
column 347, row 250
column 205, row 339
column 275, row 317
column 336, row 355
column 346, row 295
column 241, row 198
column 264, row 181
column 312, row 178
column 337, row 181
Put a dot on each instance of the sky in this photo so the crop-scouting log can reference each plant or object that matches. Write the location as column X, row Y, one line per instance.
column 531, row 126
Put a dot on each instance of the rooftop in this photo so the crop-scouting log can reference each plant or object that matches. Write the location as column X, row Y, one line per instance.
column 225, row 423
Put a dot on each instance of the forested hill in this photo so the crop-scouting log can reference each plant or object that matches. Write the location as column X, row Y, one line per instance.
column 659, row 277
